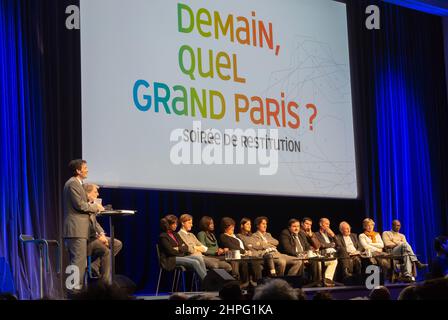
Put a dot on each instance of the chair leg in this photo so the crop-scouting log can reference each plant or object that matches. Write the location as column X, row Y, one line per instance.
column 158, row 282
column 183, row 282
column 89, row 266
column 41, row 272
column 193, row 283
column 174, row 285
column 86, row 279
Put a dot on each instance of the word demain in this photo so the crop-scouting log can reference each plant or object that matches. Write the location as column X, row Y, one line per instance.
column 239, row 29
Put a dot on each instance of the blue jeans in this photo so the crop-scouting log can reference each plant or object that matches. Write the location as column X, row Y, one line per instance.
column 193, row 262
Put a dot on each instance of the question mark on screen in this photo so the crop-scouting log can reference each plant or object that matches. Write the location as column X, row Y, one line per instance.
column 313, row 116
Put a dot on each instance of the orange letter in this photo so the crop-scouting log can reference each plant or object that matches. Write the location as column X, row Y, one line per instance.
column 293, row 125
column 236, row 78
column 274, row 113
column 260, row 110
column 237, row 105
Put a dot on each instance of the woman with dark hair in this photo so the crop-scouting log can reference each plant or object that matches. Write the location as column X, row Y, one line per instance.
column 230, row 242
column 174, row 252
column 207, row 237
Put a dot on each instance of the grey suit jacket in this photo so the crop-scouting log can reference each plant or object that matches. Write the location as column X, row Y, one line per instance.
column 253, row 244
column 256, row 244
column 77, row 210
column 272, row 242
column 95, row 227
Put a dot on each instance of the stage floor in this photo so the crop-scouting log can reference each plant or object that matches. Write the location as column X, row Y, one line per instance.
column 338, row 293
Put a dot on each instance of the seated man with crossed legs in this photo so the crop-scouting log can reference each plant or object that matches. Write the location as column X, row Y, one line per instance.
column 397, row 243
column 98, row 243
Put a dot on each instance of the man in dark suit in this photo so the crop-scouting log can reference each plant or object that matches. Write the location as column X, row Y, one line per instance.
column 77, row 211
column 293, row 243
column 349, row 249
column 308, row 234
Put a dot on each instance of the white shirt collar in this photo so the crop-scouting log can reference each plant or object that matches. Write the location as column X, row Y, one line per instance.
column 184, row 231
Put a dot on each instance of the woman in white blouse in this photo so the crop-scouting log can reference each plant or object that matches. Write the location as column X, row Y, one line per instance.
column 371, row 242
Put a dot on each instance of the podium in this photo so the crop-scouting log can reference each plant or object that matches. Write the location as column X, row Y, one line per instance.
column 111, row 214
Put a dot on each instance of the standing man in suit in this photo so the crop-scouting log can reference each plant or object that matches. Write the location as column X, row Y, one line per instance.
column 349, row 251
column 77, row 211
column 98, row 243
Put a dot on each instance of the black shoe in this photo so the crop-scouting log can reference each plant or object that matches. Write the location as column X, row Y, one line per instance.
column 420, row 265
column 236, row 276
column 73, row 294
column 407, row 279
column 94, row 274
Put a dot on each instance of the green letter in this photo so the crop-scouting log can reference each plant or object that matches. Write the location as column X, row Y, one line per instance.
column 187, row 9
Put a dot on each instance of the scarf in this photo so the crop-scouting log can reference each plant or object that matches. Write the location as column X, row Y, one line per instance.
column 371, row 235
column 211, row 237
column 172, row 236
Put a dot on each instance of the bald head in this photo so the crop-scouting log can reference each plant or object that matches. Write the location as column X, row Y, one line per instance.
column 396, row 225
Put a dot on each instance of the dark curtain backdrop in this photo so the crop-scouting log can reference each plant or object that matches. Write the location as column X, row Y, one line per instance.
column 400, row 96
column 400, row 111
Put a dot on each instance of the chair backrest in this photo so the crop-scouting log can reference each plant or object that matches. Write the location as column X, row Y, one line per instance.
column 26, row 237
column 158, row 255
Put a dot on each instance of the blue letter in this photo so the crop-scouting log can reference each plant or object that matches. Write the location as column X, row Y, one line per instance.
column 146, row 97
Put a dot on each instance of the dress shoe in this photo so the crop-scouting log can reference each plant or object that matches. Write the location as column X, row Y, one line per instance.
column 329, row 283
column 244, row 285
column 253, row 283
column 407, row 279
column 94, row 274
column 235, row 276
column 420, row 265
